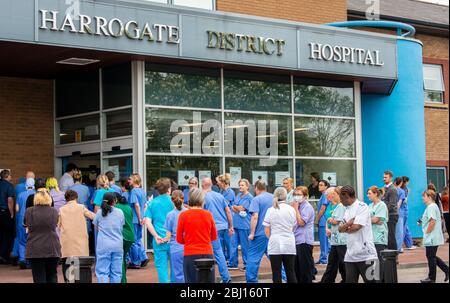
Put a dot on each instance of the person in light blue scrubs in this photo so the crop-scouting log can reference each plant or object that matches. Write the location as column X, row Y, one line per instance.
column 403, row 213
column 321, row 221
column 258, row 241
column 241, row 223
column 109, row 222
column 399, row 236
column 138, row 198
column 218, row 206
column 193, row 183
column 223, row 181
column 155, row 218
column 176, row 249
column 21, row 235
column 112, row 182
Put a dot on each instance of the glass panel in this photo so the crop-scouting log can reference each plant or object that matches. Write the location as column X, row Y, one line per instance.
column 182, row 86
column 437, row 177
column 433, row 96
column 322, row 137
column 116, row 86
column 169, row 166
column 118, row 152
column 182, row 131
column 119, row 123
column 323, row 100
column 343, row 171
column 77, row 93
column 158, row 1
column 257, row 92
column 206, row 4
column 245, row 136
column 122, row 167
column 79, row 129
column 432, row 77
column 252, row 170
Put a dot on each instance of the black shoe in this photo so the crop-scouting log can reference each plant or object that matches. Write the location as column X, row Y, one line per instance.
column 132, row 266
column 14, row 261
column 446, row 277
column 22, row 265
column 144, row 263
column 427, row 280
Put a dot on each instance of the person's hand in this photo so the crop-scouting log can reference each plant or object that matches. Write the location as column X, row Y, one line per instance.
column 142, row 221
column 328, row 232
column 295, row 205
column 230, row 231
column 251, row 237
column 159, row 240
column 350, row 222
column 316, row 221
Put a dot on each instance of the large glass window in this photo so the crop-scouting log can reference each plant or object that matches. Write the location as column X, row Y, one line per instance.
column 116, row 86
column 205, row 4
column 257, row 92
column 249, row 134
column 80, row 129
column 324, row 98
column 433, row 83
column 122, row 167
column 324, row 137
column 181, row 86
column 77, row 93
column 252, row 170
column 437, row 176
column 183, row 131
column 118, row 123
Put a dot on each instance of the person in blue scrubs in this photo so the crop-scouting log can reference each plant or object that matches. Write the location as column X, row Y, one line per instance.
column 112, row 182
column 21, row 187
column 241, row 223
column 83, row 192
column 403, row 213
column 138, row 198
column 155, row 218
column 399, row 236
column 223, row 181
column 218, row 206
column 176, row 249
column 21, row 235
column 321, row 220
column 193, row 183
column 109, row 222
column 258, row 241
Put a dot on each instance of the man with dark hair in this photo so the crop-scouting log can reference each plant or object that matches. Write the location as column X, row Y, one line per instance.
column 66, row 180
column 391, row 199
column 112, row 182
column 361, row 253
column 6, row 215
column 313, row 188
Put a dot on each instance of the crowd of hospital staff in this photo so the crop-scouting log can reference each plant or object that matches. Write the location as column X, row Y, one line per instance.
column 209, row 220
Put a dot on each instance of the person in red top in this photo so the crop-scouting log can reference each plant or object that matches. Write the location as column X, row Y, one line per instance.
column 444, row 201
column 196, row 230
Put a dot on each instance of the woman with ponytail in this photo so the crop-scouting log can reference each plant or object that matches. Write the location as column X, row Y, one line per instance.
column 109, row 224
column 176, row 249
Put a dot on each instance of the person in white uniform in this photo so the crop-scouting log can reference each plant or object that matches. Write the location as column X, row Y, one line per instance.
column 279, row 224
column 361, row 256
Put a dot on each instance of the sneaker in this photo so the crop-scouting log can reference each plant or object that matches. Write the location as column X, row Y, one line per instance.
column 22, row 265
column 427, row 280
column 144, row 263
column 232, row 267
column 229, row 281
column 412, row 247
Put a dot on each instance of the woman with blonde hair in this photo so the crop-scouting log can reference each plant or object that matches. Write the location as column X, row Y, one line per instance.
column 57, row 195
column 102, row 189
column 279, row 224
column 43, row 248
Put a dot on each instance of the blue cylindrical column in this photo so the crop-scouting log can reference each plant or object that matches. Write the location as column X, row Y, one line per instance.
column 393, row 130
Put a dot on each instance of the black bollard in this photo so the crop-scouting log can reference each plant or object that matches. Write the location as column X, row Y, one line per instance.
column 205, row 270
column 80, row 270
column 389, row 265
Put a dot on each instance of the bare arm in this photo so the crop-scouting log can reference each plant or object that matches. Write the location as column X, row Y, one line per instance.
column 298, row 216
column 253, row 223
column 354, row 228
column 151, row 229
column 138, row 212
column 267, row 231
column 320, row 214
column 431, row 225
column 88, row 214
column 11, row 206
column 376, row 220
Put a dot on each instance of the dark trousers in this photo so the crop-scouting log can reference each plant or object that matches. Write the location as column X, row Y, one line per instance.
column 288, row 261
column 356, row 269
column 126, row 248
column 446, row 223
column 379, row 248
column 44, row 270
column 304, row 263
column 190, row 271
column 434, row 260
column 6, row 233
column 335, row 263
column 392, row 241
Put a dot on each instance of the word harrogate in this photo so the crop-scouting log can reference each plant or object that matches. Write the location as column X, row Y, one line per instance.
column 345, row 54
column 114, row 27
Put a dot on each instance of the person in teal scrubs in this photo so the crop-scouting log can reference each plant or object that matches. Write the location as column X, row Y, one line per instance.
column 223, row 181
column 102, row 189
column 380, row 217
column 288, row 184
column 155, row 218
column 432, row 236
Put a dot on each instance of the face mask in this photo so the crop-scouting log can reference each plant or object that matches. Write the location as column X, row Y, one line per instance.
column 298, row 198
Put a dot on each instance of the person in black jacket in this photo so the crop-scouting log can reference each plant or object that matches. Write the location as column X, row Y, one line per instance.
column 390, row 198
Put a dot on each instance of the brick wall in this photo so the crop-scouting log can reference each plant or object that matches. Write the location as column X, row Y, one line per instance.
column 310, row 11
column 26, row 126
